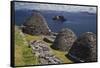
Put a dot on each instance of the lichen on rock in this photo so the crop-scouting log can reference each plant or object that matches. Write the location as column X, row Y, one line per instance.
column 64, row 40
column 84, row 48
column 36, row 25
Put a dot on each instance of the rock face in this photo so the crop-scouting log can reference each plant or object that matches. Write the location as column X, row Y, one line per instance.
column 84, row 49
column 64, row 40
column 36, row 25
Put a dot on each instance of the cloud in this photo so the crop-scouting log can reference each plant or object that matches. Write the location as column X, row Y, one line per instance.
column 38, row 6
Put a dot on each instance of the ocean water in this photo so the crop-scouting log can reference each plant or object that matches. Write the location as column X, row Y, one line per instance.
column 79, row 22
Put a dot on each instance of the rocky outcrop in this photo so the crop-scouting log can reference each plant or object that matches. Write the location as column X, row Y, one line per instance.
column 64, row 40
column 36, row 25
column 85, row 48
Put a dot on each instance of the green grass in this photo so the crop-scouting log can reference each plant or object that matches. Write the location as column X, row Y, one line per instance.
column 60, row 55
column 31, row 37
column 23, row 54
column 57, row 53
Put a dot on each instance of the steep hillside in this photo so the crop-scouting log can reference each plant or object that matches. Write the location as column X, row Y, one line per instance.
column 23, row 54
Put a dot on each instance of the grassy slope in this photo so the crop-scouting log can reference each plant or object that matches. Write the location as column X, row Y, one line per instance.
column 23, row 54
column 30, row 37
column 59, row 54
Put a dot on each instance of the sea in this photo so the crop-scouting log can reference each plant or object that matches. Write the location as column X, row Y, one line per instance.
column 79, row 22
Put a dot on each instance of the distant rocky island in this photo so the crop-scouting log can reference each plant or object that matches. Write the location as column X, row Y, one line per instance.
column 59, row 18
column 80, row 49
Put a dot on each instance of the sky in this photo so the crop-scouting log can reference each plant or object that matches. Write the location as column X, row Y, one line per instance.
column 39, row 6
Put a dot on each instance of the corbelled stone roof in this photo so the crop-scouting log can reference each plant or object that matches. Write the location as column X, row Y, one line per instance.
column 64, row 40
column 85, row 48
column 36, row 24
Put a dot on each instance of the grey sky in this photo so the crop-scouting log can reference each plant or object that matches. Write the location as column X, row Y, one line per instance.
column 38, row 6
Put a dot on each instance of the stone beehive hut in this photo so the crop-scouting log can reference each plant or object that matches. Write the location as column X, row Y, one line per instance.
column 84, row 48
column 64, row 40
column 36, row 25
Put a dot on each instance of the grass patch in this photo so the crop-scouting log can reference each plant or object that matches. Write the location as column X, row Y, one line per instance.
column 32, row 37
column 60, row 55
column 23, row 54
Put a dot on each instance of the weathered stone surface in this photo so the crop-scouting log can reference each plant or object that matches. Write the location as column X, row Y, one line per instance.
column 54, row 33
column 64, row 40
column 85, row 48
column 36, row 25
column 49, row 39
column 44, row 53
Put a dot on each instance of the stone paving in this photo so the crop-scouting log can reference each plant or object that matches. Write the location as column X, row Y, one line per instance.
column 41, row 50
